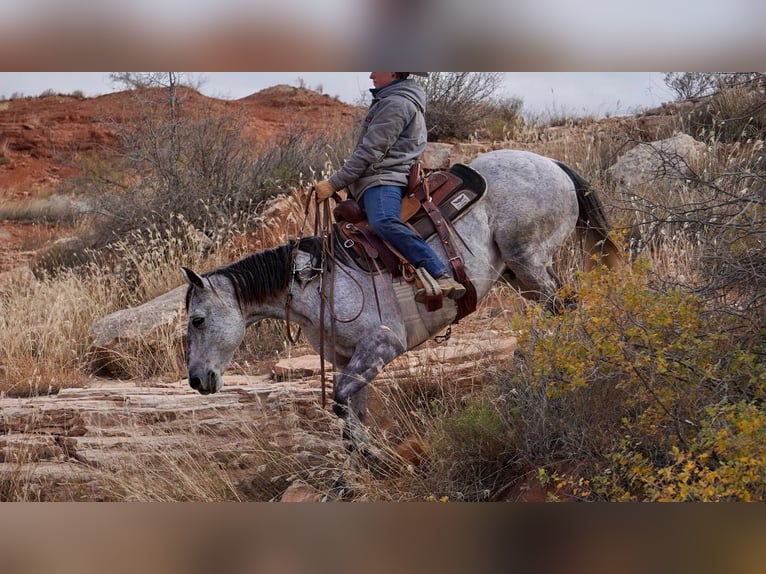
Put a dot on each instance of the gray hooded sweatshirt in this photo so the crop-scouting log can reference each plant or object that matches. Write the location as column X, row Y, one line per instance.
column 393, row 137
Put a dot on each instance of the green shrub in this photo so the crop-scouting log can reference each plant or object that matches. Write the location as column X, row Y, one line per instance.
column 472, row 454
column 476, row 433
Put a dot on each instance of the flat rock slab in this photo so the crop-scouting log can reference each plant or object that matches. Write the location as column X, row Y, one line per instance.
column 465, row 352
column 88, row 435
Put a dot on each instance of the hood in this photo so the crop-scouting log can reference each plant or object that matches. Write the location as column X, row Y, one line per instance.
column 409, row 89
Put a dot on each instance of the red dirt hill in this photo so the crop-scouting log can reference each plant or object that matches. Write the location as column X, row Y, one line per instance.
column 40, row 136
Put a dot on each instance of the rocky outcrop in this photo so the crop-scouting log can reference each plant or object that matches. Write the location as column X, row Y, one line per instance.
column 664, row 160
column 87, row 436
column 159, row 322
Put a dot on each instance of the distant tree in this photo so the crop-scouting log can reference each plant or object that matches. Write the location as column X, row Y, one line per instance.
column 138, row 80
column 688, row 85
column 164, row 151
column 457, row 102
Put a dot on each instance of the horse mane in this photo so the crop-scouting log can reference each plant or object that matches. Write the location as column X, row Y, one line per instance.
column 264, row 273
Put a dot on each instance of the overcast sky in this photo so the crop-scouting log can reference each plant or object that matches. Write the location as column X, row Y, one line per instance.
column 572, row 93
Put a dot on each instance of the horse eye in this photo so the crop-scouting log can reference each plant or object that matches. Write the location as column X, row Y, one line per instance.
column 197, row 322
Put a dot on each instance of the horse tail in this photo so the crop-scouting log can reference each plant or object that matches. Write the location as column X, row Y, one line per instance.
column 592, row 225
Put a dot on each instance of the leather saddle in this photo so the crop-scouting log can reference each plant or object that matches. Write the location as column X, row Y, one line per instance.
column 431, row 204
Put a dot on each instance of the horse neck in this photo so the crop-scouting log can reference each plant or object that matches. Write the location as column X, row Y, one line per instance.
column 272, row 306
column 263, row 283
column 252, row 279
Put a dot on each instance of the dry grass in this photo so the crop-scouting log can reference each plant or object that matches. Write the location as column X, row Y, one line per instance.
column 44, row 332
column 233, row 461
column 189, row 472
column 436, row 438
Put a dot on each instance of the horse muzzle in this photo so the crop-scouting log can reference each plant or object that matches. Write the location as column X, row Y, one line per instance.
column 204, row 381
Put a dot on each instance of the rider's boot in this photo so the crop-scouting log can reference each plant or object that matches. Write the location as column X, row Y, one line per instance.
column 449, row 287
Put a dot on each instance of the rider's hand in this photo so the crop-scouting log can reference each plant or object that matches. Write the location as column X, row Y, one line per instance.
column 324, row 190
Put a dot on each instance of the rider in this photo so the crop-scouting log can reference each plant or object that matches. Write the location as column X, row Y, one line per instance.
column 392, row 139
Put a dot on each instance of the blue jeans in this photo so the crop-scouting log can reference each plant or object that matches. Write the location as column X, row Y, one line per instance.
column 383, row 204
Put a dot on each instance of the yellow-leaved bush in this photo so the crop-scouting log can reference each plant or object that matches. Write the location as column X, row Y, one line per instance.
column 646, row 394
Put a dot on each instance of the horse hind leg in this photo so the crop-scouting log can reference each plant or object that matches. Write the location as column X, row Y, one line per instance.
column 536, row 282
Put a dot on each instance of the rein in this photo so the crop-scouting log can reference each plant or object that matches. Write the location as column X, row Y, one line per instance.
column 322, row 227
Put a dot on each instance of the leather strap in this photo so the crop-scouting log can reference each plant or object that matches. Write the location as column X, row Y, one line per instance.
column 467, row 303
column 390, row 259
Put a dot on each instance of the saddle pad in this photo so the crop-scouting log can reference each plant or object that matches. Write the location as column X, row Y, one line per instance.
column 418, row 329
column 454, row 192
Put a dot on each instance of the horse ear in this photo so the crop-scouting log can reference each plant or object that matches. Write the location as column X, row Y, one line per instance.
column 192, row 278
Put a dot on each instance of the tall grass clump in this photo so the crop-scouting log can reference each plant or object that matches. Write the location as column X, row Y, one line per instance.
column 45, row 322
column 44, row 328
column 236, row 460
column 155, row 473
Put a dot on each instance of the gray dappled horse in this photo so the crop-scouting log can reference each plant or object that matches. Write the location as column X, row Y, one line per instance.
column 531, row 206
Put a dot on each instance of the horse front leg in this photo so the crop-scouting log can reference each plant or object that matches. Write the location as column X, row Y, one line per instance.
column 370, row 356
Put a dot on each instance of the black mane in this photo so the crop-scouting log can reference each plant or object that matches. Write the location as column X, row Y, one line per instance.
column 264, row 273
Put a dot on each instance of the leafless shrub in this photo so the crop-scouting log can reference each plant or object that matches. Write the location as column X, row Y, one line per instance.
column 703, row 223
column 687, row 85
column 458, row 102
column 172, row 163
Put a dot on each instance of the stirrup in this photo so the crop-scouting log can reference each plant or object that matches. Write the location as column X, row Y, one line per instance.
column 429, row 291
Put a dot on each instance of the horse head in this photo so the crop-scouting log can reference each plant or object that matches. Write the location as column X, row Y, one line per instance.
column 215, row 329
